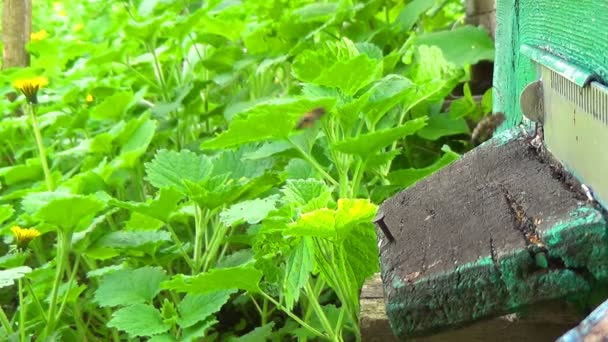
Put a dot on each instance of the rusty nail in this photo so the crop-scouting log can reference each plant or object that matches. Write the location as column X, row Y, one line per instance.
column 379, row 221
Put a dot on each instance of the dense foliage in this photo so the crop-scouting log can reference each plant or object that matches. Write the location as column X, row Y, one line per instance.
column 170, row 192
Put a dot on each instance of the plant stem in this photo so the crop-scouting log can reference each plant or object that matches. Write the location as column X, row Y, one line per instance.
column 63, row 246
column 199, row 232
column 41, row 150
column 180, row 246
column 314, row 163
column 5, row 322
column 22, row 310
column 70, row 282
column 37, row 301
column 264, row 311
column 319, row 311
column 211, row 252
column 294, row 317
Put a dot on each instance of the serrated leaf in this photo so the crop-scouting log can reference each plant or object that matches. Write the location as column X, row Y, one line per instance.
column 139, row 320
column 169, row 169
column 352, row 212
column 332, row 66
column 367, row 144
column 319, row 223
column 243, row 278
column 159, row 208
column 297, row 272
column 258, row 334
column 8, row 277
column 252, row 211
column 269, row 120
column 433, row 74
column 69, row 211
column 309, row 194
column 127, row 286
column 195, row 308
column 361, row 252
column 476, row 44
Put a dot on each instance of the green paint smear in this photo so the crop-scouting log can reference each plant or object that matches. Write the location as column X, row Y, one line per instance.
column 478, row 289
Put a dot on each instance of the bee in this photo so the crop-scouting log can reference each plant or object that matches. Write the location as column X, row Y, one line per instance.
column 486, row 127
column 309, row 118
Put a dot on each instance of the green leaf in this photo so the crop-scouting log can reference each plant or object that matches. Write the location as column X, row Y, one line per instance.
column 258, row 334
column 476, row 44
column 433, row 74
column 386, row 94
column 8, row 277
column 127, row 286
column 309, row 194
column 134, row 141
column 410, row 14
column 406, row 177
column 441, row 125
column 353, row 212
column 169, row 169
column 159, row 208
column 299, row 266
column 6, row 211
column 252, row 211
column 198, row 307
column 268, row 150
column 242, row 278
column 132, row 239
column 361, row 252
column 113, row 107
column 270, row 120
column 69, row 211
column 194, row 333
column 367, row 144
column 139, row 320
column 319, row 223
column 29, row 171
column 333, row 65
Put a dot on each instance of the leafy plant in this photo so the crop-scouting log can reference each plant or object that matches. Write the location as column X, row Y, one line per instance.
column 170, row 190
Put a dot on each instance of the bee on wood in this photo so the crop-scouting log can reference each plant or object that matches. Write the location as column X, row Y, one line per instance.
column 486, row 127
column 309, row 118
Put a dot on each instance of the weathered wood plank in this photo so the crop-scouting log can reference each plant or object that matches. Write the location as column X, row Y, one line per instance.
column 491, row 234
column 544, row 322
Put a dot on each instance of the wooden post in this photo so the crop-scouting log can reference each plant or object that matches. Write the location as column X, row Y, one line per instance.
column 16, row 30
column 482, row 13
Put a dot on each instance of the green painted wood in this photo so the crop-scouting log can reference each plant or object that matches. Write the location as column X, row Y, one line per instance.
column 573, row 30
column 497, row 231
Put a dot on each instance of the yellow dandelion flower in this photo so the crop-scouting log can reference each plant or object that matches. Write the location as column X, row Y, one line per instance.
column 78, row 27
column 40, row 35
column 62, row 13
column 89, row 98
column 30, row 87
column 23, row 236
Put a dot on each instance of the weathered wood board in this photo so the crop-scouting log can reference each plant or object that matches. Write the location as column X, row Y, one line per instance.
column 543, row 322
column 497, row 231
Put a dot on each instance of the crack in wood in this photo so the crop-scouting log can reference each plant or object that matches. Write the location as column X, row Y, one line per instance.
column 523, row 222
